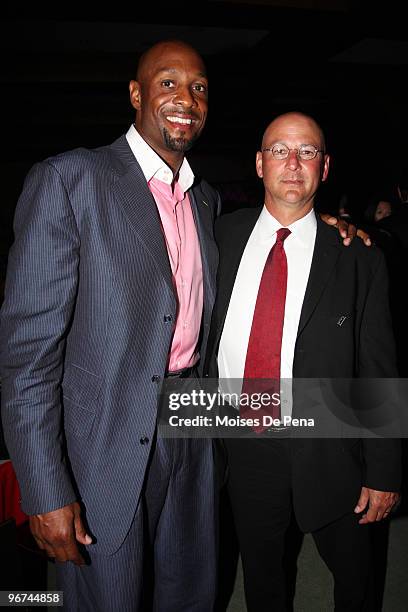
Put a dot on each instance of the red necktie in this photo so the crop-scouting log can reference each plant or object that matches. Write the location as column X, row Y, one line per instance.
column 265, row 341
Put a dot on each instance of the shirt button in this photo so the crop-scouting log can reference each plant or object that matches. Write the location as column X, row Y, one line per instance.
column 144, row 440
column 168, row 318
column 155, row 378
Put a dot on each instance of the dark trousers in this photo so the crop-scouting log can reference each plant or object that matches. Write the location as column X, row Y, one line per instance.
column 167, row 561
column 259, row 486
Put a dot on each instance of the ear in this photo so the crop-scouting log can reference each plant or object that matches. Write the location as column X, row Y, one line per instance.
column 135, row 94
column 258, row 164
column 326, row 165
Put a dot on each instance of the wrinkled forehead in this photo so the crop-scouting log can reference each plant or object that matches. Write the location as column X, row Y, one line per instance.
column 293, row 130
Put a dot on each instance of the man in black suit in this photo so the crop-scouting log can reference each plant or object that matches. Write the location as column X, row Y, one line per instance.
column 336, row 324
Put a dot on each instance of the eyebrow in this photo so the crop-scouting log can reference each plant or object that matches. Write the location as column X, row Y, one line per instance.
column 299, row 145
column 270, row 145
column 175, row 71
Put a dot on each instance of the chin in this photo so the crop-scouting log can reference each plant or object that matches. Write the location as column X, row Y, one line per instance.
column 293, row 198
column 178, row 144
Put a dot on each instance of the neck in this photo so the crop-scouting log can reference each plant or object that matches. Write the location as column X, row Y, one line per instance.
column 286, row 215
column 173, row 159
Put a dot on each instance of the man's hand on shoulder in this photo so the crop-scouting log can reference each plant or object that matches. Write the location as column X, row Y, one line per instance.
column 376, row 504
column 59, row 531
column 347, row 231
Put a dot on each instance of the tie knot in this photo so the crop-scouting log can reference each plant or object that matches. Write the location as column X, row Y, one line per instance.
column 282, row 234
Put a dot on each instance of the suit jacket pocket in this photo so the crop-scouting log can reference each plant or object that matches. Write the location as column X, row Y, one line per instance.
column 81, row 387
column 77, row 420
column 342, row 319
column 80, row 390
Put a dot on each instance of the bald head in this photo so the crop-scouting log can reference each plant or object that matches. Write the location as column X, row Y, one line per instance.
column 291, row 182
column 290, row 123
column 161, row 50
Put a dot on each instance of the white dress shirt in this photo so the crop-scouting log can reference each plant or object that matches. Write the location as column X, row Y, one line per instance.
column 152, row 164
column 299, row 246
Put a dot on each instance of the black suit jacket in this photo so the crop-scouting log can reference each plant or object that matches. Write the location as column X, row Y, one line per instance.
column 346, row 282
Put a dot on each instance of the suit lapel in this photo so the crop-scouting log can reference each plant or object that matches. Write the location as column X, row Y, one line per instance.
column 326, row 252
column 230, row 259
column 209, row 256
column 137, row 202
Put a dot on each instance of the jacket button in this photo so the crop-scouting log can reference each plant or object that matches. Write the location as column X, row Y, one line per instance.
column 168, row 318
column 155, row 378
column 144, row 440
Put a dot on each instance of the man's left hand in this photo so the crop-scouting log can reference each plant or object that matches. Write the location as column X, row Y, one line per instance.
column 347, row 231
column 377, row 504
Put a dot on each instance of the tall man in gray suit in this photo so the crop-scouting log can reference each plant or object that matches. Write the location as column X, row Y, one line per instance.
column 110, row 288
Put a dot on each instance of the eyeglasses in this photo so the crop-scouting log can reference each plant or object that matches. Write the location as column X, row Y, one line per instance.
column 305, row 152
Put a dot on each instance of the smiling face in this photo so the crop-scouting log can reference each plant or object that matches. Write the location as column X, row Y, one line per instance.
column 291, row 183
column 171, row 99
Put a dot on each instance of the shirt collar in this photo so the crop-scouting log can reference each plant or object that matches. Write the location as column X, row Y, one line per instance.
column 152, row 164
column 303, row 230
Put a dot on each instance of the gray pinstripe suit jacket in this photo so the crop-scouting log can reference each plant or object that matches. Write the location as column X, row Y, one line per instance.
column 84, row 334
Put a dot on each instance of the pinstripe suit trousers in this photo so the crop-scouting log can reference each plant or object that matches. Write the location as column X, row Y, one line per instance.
column 166, row 563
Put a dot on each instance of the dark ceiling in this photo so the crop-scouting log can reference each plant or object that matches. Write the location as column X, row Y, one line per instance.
column 66, row 72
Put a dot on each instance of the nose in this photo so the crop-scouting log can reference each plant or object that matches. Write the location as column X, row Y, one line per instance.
column 184, row 96
column 292, row 160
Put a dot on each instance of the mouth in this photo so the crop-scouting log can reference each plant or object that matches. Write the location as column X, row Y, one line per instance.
column 180, row 120
column 292, row 180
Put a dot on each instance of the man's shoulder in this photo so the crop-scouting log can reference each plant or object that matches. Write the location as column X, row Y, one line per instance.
column 81, row 157
column 114, row 156
column 356, row 249
column 235, row 220
column 83, row 168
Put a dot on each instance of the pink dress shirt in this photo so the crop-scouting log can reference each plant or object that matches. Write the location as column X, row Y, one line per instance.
column 182, row 243
column 185, row 260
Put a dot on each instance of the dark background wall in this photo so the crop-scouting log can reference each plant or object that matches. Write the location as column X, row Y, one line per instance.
column 66, row 70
